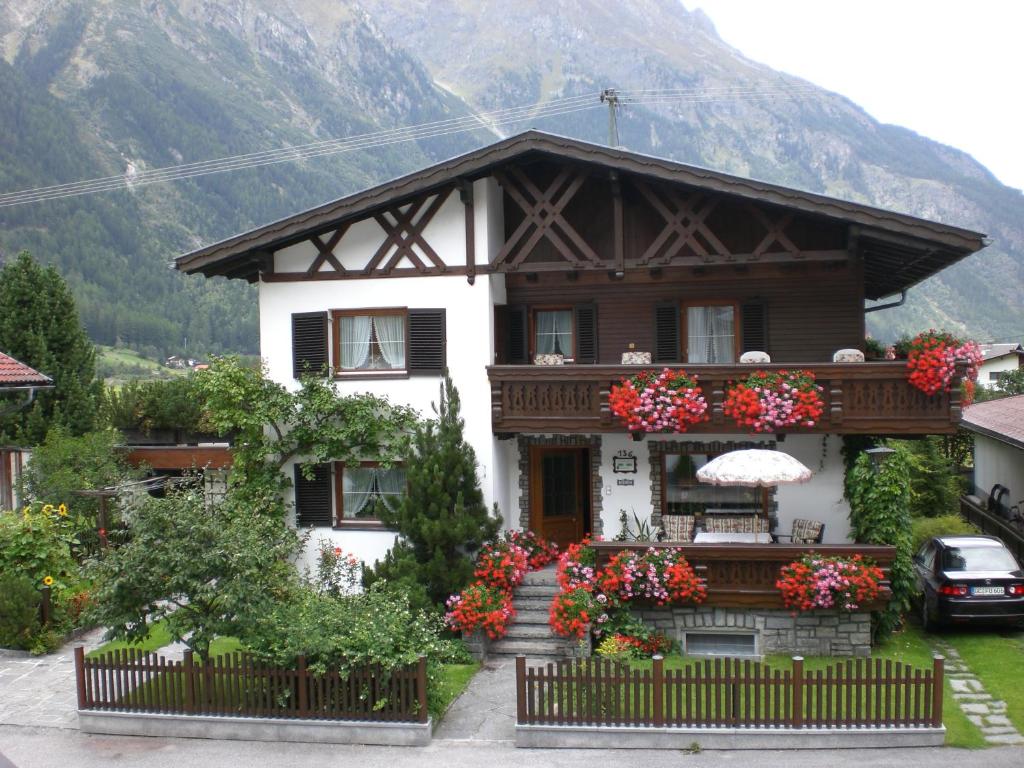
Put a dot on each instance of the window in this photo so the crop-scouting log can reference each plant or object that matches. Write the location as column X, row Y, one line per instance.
column 552, row 332
column 338, row 495
column 684, row 494
column 370, row 340
column 711, row 333
column 362, row 490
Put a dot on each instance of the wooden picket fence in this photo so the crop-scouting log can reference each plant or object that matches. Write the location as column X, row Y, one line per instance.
column 724, row 692
column 129, row 680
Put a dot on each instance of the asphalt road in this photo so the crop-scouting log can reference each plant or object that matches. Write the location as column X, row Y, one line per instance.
column 61, row 748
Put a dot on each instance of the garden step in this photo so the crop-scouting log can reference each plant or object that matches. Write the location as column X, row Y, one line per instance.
column 531, row 647
column 543, row 577
column 532, row 603
column 520, row 631
column 536, row 590
column 532, row 616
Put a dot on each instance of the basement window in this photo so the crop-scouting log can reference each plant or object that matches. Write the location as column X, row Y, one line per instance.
column 720, row 644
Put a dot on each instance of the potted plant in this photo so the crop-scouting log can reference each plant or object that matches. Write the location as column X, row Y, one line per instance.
column 931, row 361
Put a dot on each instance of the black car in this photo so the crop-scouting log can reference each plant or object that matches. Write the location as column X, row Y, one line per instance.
column 971, row 579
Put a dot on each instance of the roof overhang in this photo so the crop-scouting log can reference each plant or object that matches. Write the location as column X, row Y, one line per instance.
column 899, row 250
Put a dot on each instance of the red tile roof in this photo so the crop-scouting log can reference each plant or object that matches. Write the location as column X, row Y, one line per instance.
column 15, row 374
column 1002, row 419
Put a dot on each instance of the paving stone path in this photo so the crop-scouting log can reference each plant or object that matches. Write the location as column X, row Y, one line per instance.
column 486, row 710
column 40, row 690
column 980, row 707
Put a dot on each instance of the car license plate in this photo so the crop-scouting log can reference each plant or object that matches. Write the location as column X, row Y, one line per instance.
column 988, row 590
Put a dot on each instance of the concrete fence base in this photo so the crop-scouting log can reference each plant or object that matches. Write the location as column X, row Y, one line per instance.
column 619, row 737
column 255, row 728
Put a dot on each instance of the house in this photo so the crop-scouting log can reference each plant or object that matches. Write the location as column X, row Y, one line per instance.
column 539, row 270
column 997, row 359
column 998, row 429
column 23, row 382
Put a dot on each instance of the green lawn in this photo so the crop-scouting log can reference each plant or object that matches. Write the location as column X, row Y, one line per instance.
column 997, row 658
column 156, row 639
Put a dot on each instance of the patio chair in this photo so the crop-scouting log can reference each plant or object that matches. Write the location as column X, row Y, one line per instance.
column 736, row 524
column 804, row 532
column 676, row 528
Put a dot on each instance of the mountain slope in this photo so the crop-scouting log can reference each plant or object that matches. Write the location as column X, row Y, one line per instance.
column 496, row 54
column 95, row 88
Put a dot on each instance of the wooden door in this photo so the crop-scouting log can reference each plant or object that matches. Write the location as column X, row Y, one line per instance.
column 560, row 493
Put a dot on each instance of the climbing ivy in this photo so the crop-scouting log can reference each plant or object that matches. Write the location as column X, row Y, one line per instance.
column 880, row 514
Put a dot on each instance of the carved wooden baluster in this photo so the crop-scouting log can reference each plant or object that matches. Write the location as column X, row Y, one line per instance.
column 835, row 400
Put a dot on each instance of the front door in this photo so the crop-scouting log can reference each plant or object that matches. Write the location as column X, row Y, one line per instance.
column 560, row 493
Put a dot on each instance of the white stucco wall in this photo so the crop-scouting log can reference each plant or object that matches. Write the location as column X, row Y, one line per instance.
column 997, row 365
column 998, row 462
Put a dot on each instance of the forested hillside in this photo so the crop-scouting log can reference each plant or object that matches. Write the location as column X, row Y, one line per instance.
column 91, row 88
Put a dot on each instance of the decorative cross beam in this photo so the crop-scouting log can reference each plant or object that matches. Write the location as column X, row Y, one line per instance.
column 325, row 251
column 403, row 233
column 775, row 233
column 684, row 220
column 543, row 211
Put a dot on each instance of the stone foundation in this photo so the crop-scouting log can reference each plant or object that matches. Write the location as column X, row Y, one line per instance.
column 819, row 633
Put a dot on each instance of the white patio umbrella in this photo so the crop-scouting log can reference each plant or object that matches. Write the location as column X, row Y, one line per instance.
column 753, row 467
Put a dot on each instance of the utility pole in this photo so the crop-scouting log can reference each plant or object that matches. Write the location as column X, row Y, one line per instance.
column 611, row 96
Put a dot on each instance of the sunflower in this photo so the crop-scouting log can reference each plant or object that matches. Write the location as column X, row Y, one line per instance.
column 48, row 509
column 48, row 581
column 62, row 510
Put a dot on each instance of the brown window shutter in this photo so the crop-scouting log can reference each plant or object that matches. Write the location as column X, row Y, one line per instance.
column 754, row 326
column 313, row 498
column 426, row 355
column 586, row 333
column 309, row 343
column 517, row 329
column 666, row 333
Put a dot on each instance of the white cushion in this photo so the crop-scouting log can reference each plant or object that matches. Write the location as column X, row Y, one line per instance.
column 636, row 358
column 755, row 356
column 848, row 356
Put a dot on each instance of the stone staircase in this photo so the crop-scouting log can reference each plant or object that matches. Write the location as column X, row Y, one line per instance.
column 530, row 633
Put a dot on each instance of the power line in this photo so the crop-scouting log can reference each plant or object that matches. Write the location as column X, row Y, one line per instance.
column 553, row 108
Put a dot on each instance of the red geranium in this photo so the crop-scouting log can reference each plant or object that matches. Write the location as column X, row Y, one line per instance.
column 539, row 551
column 571, row 613
column 771, row 400
column 829, row 582
column 577, row 566
column 931, row 362
column 481, row 607
column 501, row 565
column 651, row 402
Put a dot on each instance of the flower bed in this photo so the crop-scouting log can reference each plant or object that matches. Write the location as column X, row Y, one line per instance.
column 814, row 582
column 597, row 600
column 486, row 604
column 931, row 361
column 669, row 401
column 772, row 400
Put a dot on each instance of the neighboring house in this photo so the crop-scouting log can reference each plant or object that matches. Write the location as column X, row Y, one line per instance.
column 543, row 249
column 998, row 359
column 998, row 429
column 23, row 382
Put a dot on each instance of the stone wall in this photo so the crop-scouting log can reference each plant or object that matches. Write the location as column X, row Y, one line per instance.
column 819, row 633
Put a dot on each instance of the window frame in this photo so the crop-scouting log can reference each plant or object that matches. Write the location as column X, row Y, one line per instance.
column 764, row 511
column 532, row 333
column 737, row 328
column 372, row 373
column 361, row 523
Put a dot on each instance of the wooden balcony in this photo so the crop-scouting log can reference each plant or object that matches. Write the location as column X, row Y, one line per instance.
column 860, row 398
column 744, row 575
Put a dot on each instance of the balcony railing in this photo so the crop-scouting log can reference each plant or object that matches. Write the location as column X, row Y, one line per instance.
column 860, row 398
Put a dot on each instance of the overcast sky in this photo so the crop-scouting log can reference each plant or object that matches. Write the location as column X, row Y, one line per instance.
column 951, row 71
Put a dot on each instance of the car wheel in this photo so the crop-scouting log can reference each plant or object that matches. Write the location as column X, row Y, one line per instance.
column 926, row 620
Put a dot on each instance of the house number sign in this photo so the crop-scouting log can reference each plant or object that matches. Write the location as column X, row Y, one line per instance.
column 624, row 462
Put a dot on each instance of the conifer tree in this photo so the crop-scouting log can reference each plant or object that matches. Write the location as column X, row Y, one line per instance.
column 442, row 520
column 39, row 326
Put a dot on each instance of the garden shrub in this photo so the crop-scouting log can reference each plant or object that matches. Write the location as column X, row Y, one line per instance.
column 946, row 525
column 36, row 544
column 145, row 406
column 19, row 612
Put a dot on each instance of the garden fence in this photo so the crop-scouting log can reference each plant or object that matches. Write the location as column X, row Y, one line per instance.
column 128, row 680
column 726, row 692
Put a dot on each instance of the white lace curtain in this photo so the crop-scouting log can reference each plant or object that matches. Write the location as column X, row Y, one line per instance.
column 358, row 333
column 554, row 332
column 363, row 485
column 710, row 334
